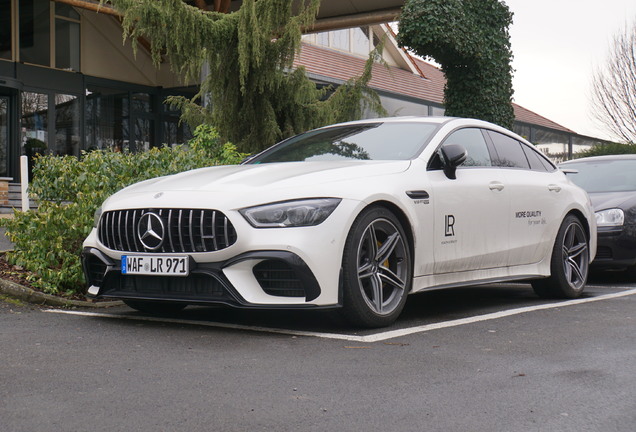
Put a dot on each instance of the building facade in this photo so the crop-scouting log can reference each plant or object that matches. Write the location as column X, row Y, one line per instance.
column 68, row 83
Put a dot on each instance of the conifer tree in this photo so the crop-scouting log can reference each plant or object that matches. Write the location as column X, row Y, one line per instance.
column 257, row 96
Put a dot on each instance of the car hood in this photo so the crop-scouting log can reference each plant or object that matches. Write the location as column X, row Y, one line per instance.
column 607, row 200
column 241, row 178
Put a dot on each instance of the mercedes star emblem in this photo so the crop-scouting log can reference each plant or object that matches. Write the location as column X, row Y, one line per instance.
column 151, row 231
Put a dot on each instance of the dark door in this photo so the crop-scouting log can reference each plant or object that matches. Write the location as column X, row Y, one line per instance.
column 5, row 133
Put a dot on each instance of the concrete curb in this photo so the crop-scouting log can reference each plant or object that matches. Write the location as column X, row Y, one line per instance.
column 29, row 295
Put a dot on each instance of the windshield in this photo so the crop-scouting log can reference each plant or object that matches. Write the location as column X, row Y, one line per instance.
column 368, row 141
column 604, row 175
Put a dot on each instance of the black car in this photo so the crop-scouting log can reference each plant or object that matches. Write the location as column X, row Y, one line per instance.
column 610, row 182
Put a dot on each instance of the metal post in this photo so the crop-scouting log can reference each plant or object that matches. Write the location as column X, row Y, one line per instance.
column 24, row 182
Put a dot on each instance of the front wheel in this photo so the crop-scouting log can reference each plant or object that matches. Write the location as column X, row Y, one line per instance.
column 377, row 269
column 570, row 262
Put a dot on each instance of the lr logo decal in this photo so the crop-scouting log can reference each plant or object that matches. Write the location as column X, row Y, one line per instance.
column 450, row 226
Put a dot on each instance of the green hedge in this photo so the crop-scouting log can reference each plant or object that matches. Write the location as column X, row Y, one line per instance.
column 48, row 241
column 608, row 149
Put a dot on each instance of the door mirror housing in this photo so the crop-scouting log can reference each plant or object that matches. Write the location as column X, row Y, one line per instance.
column 453, row 155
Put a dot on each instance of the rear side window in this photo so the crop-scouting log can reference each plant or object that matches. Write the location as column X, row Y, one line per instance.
column 537, row 162
column 509, row 151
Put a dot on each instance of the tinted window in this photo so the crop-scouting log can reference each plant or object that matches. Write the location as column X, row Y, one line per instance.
column 366, row 141
column 475, row 145
column 604, row 175
column 537, row 162
column 509, row 151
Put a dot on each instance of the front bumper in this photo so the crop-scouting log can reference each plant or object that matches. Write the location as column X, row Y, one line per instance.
column 616, row 248
column 281, row 276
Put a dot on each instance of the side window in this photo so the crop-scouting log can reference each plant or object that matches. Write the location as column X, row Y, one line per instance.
column 475, row 145
column 509, row 151
column 537, row 162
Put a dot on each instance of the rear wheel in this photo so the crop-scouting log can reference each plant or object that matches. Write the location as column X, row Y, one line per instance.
column 569, row 265
column 377, row 269
column 154, row 307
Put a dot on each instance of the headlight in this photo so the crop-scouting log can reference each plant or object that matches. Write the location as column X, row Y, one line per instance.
column 610, row 217
column 98, row 214
column 307, row 212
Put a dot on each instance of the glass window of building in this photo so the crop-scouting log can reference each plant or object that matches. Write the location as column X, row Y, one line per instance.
column 144, row 134
column 106, row 118
column 4, row 134
column 67, row 37
column 6, row 36
column 142, row 102
column 437, row 111
column 356, row 40
column 360, row 43
column 553, row 144
column 322, row 39
column 67, row 139
column 66, row 11
column 35, row 32
column 340, row 40
column 34, row 123
column 174, row 131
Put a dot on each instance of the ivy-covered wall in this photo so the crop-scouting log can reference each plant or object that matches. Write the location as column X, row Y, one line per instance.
column 470, row 40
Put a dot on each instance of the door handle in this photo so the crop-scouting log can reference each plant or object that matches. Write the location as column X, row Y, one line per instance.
column 496, row 186
column 554, row 188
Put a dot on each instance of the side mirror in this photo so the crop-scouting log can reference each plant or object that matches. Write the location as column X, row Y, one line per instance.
column 453, row 155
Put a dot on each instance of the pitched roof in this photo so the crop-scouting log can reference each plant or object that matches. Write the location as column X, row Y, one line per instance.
column 524, row 115
column 335, row 65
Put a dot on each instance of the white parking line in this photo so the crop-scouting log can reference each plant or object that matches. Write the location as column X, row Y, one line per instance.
column 377, row 337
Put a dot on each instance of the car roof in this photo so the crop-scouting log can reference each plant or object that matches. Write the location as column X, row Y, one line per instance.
column 601, row 158
column 425, row 119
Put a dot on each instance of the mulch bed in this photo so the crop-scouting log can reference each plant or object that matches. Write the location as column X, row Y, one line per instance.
column 14, row 273
column 19, row 275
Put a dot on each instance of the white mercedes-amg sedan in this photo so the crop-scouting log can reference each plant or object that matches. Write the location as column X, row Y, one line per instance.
column 354, row 216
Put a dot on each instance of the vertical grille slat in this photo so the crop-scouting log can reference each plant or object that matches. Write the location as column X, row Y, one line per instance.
column 201, row 221
column 180, row 232
column 126, row 231
column 185, row 230
column 134, row 233
column 214, row 242
column 120, row 237
column 112, row 231
column 191, row 226
column 170, row 236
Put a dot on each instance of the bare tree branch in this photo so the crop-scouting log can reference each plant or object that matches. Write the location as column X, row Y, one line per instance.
column 614, row 88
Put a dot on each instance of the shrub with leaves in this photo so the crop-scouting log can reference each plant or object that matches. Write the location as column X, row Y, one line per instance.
column 48, row 241
column 608, row 149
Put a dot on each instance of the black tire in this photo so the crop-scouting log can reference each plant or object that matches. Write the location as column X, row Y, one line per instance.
column 154, row 307
column 570, row 263
column 377, row 269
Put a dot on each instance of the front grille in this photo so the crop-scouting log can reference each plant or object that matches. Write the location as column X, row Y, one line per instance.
column 195, row 287
column 184, row 230
column 277, row 278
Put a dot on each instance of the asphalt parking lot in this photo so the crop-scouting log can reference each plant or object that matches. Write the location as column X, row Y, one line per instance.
column 486, row 358
column 424, row 312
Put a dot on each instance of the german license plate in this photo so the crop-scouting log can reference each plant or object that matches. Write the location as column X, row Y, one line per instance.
column 155, row 265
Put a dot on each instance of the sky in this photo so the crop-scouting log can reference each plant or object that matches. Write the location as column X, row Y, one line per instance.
column 557, row 45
